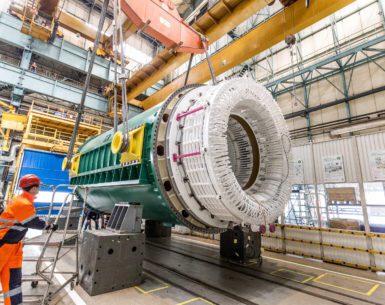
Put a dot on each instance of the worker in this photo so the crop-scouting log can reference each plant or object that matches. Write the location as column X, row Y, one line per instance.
column 92, row 215
column 15, row 219
column 33, row 67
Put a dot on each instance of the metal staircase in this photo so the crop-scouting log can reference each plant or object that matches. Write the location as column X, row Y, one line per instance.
column 53, row 246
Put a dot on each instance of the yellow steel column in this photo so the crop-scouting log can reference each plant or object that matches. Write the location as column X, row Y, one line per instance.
column 5, row 135
column 290, row 21
column 27, row 131
column 6, row 140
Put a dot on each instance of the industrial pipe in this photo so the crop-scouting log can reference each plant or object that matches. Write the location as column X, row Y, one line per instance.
column 12, row 154
column 209, row 157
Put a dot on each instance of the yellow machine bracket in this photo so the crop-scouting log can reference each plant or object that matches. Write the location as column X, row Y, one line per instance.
column 133, row 153
column 75, row 165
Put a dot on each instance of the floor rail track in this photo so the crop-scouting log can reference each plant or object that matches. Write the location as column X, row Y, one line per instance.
column 267, row 277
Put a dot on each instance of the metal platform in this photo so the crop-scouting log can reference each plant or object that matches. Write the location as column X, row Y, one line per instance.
column 60, row 50
column 56, row 239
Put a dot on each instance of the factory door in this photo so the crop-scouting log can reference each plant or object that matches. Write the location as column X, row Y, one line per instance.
column 46, row 165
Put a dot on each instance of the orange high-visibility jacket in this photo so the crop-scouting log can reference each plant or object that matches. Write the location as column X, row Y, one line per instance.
column 18, row 216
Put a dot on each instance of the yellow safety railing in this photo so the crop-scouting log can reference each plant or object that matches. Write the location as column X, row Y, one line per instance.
column 66, row 114
column 350, row 248
column 52, row 135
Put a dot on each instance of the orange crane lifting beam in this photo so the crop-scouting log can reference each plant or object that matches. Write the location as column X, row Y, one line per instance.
column 220, row 19
column 160, row 20
column 291, row 20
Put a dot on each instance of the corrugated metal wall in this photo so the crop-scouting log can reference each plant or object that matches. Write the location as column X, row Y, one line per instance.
column 366, row 145
column 347, row 148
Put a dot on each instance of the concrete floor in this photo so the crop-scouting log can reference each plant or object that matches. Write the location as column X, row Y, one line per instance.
column 280, row 280
column 161, row 287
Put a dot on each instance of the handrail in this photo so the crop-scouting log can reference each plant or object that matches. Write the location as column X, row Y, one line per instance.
column 72, row 194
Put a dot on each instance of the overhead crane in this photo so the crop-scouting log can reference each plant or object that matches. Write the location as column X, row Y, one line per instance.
column 49, row 128
column 292, row 19
column 213, row 24
column 216, row 22
column 167, row 27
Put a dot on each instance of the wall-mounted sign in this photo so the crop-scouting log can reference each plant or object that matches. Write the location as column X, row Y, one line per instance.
column 333, row 169
column 377, row 165
column 298, row 172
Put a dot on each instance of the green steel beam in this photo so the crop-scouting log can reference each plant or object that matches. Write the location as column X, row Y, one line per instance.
column 256, row 61
column 32, row 82
column 60, row 50
column 337, row 48
column 346, row 57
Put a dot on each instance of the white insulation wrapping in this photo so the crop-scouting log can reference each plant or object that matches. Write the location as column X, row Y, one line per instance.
column 232, row 143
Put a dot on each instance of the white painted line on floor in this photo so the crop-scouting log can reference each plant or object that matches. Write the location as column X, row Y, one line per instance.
column 194, row 241
column 327, row 270
column 72, row 293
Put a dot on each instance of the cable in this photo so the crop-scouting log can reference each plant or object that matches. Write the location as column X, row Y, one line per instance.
column 114, row 46
column 61, row 9
column 86, row 84
column 123, row 80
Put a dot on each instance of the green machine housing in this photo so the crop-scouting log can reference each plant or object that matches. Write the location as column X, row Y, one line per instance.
column 111, row 182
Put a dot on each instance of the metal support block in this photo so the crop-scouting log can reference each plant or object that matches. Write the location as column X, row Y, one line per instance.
column 156, row 229
column 110, row 261
column 72, row 224
column 241, row 246
column 126, row 218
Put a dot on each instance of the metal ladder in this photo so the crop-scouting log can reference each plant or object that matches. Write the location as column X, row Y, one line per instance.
column 56, row 241
column 300, row 209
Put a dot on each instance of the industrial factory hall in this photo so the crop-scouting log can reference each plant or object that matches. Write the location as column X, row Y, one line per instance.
column 192, row 152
